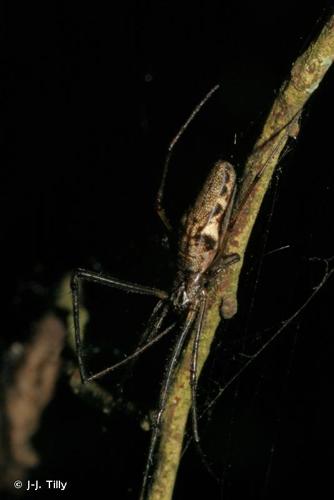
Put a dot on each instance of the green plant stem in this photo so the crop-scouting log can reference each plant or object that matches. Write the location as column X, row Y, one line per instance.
column 282, row 123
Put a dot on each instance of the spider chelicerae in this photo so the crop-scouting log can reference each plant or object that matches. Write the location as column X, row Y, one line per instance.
column 200, row 258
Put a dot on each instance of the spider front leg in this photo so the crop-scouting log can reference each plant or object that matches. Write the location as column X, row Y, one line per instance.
column 101, row 279
column 160, row 195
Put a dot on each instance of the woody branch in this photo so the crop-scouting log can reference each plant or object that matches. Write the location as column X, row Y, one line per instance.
column 306, row 74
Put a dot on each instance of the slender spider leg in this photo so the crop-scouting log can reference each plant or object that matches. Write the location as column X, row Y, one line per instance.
column 164, row 394
column 133, row 355
column 76, row 319
column 232, row 215
column 155, row 321
column 193, row 368
column 85, row 275
column 159, row 208
column 111, row 281
column 241, row 203
column 264, row 347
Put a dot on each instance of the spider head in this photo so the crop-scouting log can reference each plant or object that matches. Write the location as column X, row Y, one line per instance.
column 186, row 290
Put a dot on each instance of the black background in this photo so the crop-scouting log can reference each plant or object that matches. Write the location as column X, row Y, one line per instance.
column 91, row 97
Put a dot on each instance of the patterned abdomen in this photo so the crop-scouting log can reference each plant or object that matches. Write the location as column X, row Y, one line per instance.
column 204, row 226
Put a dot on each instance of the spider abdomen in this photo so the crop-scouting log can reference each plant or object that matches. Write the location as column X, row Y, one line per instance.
column 203, row 226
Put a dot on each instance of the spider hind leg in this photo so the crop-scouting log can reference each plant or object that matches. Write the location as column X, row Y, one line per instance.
column 166, row 384
column 194, row 364
column 106, row 280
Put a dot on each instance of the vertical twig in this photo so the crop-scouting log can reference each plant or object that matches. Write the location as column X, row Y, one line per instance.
column 282, row 123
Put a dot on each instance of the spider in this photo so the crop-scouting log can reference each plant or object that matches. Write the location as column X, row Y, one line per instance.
column 200, row 258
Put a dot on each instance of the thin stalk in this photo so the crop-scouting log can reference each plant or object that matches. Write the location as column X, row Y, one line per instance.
column 283, row 122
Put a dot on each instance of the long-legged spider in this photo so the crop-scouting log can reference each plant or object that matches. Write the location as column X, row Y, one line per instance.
column 200, row 257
